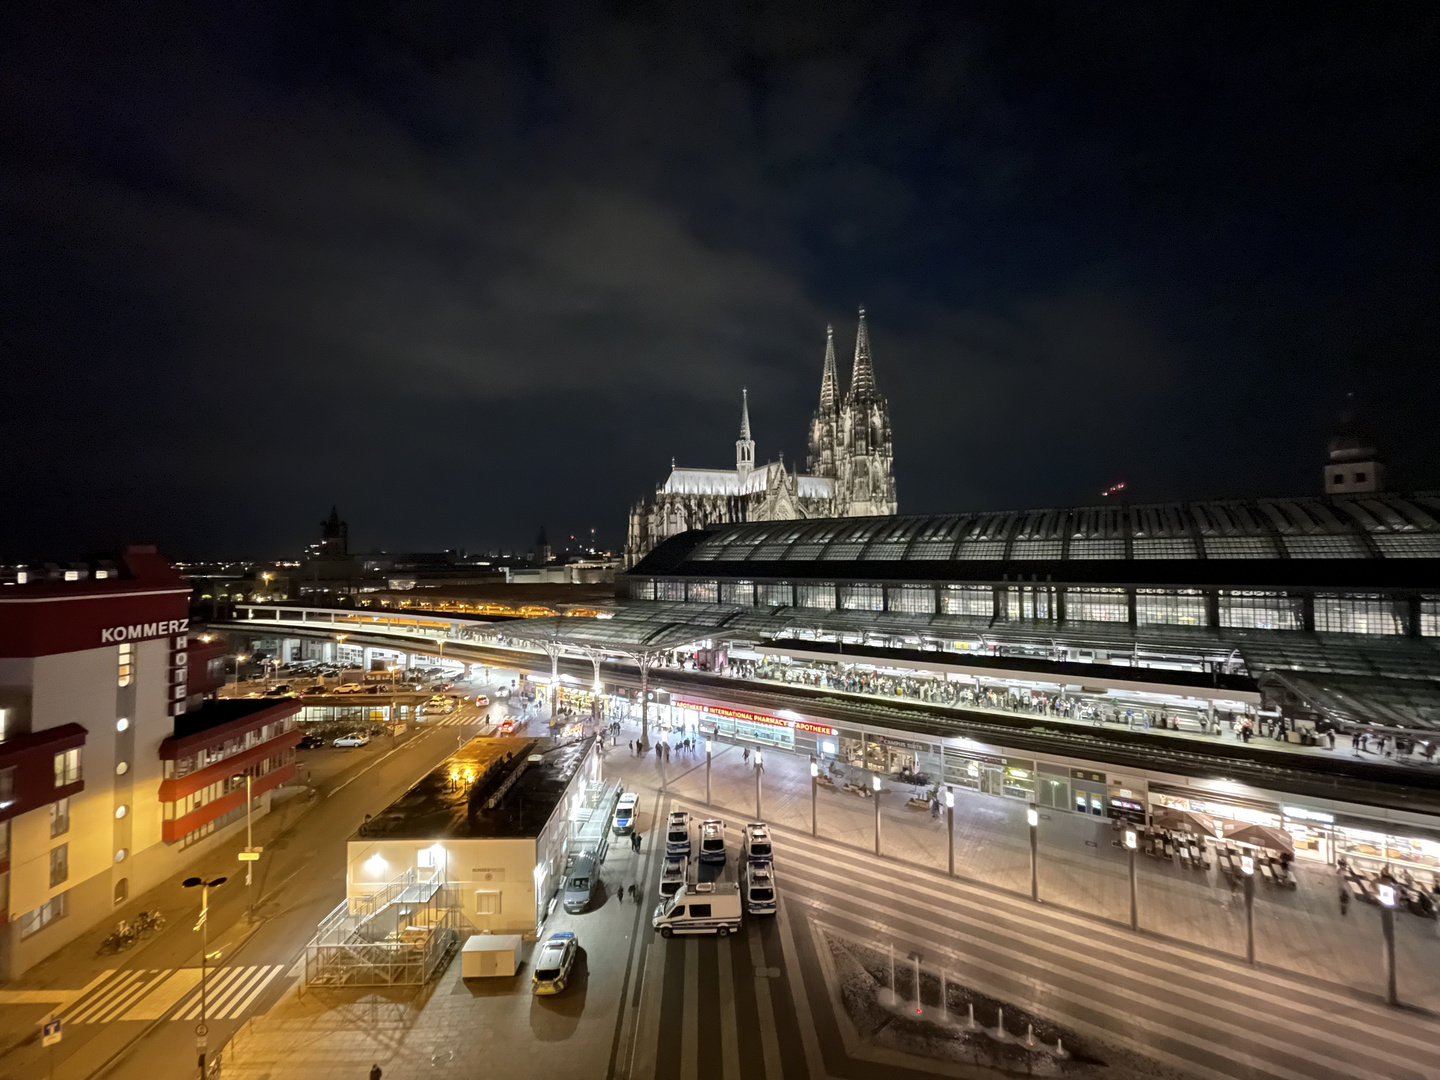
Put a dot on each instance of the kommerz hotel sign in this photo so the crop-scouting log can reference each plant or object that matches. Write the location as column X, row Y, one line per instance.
column 140, row 631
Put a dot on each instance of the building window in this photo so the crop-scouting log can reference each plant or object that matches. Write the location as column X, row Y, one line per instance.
column 127, row 663
column 862, row 597
column 34, row 921
column 67, row 767
column 740, row 593
column 1083, row 548
column 1360, row 478
column 1359, row 614
column 1430, row 616
column 968, row 600
column 1261, row 610
column 1326, row 547
column 7, row 784
column 1170, row 607
column 59, row 864
column 1239, row 547
column 1163, row 547
column 669, row 590
column 704, row 592
column 1028, row 602
column 122, row 891
column 911, row 599
column 59, row 817
column 816, row 596
column 1096, row 605
column 772, row 594
column 487, row 902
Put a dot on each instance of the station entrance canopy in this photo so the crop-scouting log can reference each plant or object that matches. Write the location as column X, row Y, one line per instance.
column 1386, row 681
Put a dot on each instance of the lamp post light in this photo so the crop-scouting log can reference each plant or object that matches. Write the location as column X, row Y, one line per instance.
column 759, row 768
column 201, row 1029
column 814, row 793
column 709, row 753
column 1386, row 895
column 1032, row 817
column 875, row 783
column 1247, row 869
column 239, row 659
column 950, row 824
column 251, row 854
column 1132, row 842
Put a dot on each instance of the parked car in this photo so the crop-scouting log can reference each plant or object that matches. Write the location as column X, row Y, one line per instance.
column 355, row 738
column 760, row 888
column 348, row 688
column 310, row 742
column 677, row 834
column 672, row 877
column 318, row 688
column 279, row 690
column 554, row 962
column 712, row 840
column 757, row 842
column 625, row 813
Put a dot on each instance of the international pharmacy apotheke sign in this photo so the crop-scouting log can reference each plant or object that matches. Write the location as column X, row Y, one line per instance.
column 141, row 631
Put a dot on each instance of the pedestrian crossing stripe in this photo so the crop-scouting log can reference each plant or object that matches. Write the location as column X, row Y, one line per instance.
column 126, row 994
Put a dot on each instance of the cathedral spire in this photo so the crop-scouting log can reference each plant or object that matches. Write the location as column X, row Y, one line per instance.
column 862, row 375
column 829, row 382
column 744, row 446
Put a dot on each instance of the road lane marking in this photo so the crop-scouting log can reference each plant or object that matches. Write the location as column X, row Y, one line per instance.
column 690, row 1015
column 769, row 1036
column 166, row 993
column 729, row 1036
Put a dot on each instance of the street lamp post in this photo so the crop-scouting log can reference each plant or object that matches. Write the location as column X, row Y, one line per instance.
column 1032, row 816
column 239, row 659
column 709, row 751
column 201, row 1029
column 875, row 783
column 1247, row 869
column 950, row 824
column 759, row 768
column 1132, row 841
column 251, row 854
column 814, row 793
column 1387, row 927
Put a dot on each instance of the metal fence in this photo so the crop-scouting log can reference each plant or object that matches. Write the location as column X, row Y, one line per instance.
column 401, row 935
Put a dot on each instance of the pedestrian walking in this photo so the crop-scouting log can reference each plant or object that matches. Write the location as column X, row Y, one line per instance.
column 635, row 841
column 632, row 747
column 746, row 755
column 375, row 1071
column 634, row 893
column 1344, row 899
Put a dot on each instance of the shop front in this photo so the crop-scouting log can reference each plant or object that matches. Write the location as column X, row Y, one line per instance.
column 1089, row 792
column 743, row 725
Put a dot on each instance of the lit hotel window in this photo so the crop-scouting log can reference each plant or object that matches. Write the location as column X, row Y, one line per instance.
column 127, row 662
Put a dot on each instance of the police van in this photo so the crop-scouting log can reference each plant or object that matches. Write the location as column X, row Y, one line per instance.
column 677, row 834
column 701, row 907
column 760, row 888
column 757, row 843
column 712, row 840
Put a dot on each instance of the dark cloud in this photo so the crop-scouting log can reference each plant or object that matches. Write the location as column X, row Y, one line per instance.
column 466, row 270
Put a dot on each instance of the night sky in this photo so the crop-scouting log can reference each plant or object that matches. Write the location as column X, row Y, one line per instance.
column 463, row 269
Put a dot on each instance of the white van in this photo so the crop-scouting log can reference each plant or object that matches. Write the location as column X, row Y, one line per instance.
column 705, row 908
column 712, row 840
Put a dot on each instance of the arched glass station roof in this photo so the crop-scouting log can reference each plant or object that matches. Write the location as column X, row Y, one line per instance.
column 1374, row 526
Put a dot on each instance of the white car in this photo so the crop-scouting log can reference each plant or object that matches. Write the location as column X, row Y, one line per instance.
column 672, row 877
column 760, row 888
column 553, row 964
column 355, row 738
column 625, row 813
column 712, row 840
column 348, row 688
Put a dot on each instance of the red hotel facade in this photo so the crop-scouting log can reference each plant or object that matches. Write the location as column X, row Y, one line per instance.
column 116, row 768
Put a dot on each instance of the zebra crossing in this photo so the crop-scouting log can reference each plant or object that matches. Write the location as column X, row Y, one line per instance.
column 453, row 720
column 152, row 993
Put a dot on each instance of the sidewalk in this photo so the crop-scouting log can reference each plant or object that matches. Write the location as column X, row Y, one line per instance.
column 1081, row 867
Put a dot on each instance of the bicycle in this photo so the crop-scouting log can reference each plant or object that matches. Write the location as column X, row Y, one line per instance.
column 149, row 923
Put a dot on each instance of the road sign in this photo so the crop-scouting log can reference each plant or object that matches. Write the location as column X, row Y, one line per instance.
column 250, row 855
column 50, row 1034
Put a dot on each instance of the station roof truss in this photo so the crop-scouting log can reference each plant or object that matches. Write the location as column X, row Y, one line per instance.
column 1379, row 527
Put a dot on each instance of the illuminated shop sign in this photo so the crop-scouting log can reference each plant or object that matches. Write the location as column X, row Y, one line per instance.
column 755, row 718
column 139, row 631
column 1309, row 815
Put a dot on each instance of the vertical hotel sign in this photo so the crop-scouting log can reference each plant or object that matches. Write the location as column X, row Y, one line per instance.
column 755, row 718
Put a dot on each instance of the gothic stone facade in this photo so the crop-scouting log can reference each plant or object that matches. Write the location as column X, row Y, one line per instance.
column 849, row 467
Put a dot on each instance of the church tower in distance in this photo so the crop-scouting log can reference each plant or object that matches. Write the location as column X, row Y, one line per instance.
column 865, row 454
